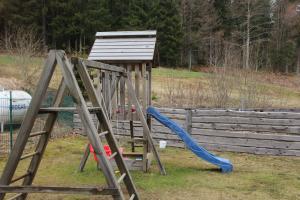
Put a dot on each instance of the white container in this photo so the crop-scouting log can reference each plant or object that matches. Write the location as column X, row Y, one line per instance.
column 162, row 144
column 20, row 103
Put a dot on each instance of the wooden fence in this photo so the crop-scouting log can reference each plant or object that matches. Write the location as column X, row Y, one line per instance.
column 267, row 132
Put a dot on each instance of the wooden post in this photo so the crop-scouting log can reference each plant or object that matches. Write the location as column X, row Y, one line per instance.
column 122, row 97
column 144, row 103
column 188, row 120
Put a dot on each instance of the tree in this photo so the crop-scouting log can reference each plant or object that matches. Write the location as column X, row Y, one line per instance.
column 252, row 24
column 165, row 18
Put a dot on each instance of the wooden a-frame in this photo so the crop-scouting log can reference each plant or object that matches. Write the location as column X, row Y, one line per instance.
column 125, row 76
column 68, row 84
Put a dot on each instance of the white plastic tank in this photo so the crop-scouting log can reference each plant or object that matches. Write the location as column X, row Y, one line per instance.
column 20, row 103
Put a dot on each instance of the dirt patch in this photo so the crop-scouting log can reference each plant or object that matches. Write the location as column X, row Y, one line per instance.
column 10, row 84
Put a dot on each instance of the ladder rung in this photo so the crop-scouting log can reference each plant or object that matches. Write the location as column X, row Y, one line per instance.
column 20, row 177
column 103, row 133
column 121, row 178
column 132, row 197
column 112, row 155
column 138, row 145
column 37, row 133
column 141, row 140
column 14, row 197
column 29, row 155
column 65, row 109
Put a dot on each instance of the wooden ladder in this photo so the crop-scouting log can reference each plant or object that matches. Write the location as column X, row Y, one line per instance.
column 68, row 84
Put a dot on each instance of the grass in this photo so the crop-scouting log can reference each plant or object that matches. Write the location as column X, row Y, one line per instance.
column 161, row 72
column 254, row 177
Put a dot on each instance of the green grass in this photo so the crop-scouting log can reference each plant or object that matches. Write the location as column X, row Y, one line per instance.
column 6, row 59
column 177, row 73
column 188, row 177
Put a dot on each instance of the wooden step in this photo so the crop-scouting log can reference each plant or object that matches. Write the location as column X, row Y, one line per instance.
column 21, row 177
column 29, row 155
column 132, row 154
column 121, row 178
column 103, row 133
column 14, row 197
column 34, row 134
column 59, row 190
column 137, row 140
column 112, row 155
column 132, row 197
column 66, row 109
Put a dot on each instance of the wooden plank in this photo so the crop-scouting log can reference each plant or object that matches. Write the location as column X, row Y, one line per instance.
column 28, row 121
column 144, row 123
column 65, row 109
column 59, row 190
column 122, row 97
column 272, row 144
column 113, row 50
column 252, row 150
column 242, row 120
column 248, row 114
column 124, row 54
column 137, row 47
column 250, row 127
column 129, row 74
column 126, row 33
column 120, row 40
column 137, row 81
column 247, row 134
column 121, row 58
column 103, row 66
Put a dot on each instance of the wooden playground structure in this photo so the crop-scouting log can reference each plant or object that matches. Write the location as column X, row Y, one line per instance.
column 114, row 90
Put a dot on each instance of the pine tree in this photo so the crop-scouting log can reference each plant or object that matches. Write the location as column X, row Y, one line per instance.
column 165, row 18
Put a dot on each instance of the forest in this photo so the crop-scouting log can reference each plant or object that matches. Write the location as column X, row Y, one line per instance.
column 249, row 34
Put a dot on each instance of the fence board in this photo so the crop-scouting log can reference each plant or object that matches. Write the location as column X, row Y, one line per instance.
column 270, row 133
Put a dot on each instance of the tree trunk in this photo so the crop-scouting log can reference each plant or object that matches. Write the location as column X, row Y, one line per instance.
column 44, row 36
column 298, row 64
column 248, row 37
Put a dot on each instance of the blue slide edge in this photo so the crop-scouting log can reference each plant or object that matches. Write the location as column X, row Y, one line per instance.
column 223, row 163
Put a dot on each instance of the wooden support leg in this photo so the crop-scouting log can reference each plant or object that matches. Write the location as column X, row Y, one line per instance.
column 28, row 122
column 109, row 137
column 44, row 139
column 84, row 158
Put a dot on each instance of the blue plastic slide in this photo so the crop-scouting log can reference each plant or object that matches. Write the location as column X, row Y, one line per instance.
column 223, row 163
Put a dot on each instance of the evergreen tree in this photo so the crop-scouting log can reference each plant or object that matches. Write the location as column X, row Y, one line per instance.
column 96, row 17
column 165, row 18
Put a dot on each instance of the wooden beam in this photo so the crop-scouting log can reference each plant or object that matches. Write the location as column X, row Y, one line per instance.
column 103, row 66
column 66, row 109
column 59, row 190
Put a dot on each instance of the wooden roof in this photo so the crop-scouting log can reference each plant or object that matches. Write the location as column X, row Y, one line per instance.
column 124, row 46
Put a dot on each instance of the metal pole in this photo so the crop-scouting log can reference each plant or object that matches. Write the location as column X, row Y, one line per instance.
column 10, row 120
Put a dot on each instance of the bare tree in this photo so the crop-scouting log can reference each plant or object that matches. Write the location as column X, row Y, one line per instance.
column 24, row 44
column 252, row 25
